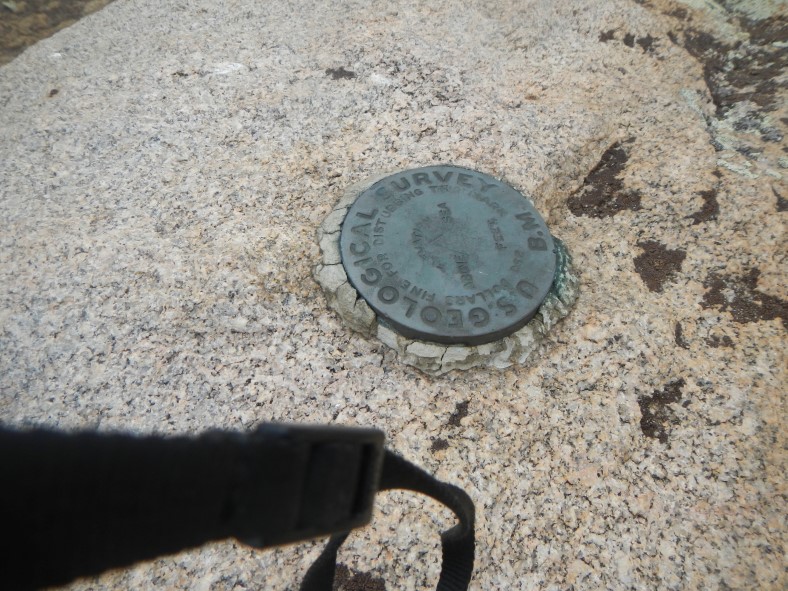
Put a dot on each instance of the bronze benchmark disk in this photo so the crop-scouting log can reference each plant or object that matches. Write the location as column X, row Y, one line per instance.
column 447, row 254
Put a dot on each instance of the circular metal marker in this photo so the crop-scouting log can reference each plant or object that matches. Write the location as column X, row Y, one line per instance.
column 447, row 254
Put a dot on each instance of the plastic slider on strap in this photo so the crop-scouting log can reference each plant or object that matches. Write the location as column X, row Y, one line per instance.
column 338, row 472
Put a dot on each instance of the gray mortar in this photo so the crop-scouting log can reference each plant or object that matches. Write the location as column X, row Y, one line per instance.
column 435, row 358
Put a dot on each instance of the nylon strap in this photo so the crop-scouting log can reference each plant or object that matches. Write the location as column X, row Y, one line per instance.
column 457, row 543
column 78, row 504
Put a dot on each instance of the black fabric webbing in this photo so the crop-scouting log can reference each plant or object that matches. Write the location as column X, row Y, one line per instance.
column 74, row 505
column 78, row 504
column 458, row 543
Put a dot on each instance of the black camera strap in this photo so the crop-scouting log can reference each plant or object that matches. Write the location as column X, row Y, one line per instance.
column 78, row 504
column 457, row 542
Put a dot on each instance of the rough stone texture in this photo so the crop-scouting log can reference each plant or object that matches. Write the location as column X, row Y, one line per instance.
column 433, row 358
column 158, row 239
column 23, row 22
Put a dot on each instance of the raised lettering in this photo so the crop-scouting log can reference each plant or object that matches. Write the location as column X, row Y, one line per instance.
column 465, row 271
column 388, row 294
column 404, row 181
column 430, row 314
column 497, row 235
column 535, row 243
column 518, row 261
column 454, row 316
column 367, row 216
column 411, row 306
column 507, row 307
column 421, row 178
column 464, row 179
column 359, row 251
column 485, row 186
column 445, row 213
column 361, row 229
column 494, row 205
column 479, row 316
column 529, row 221
column 443, row 179
column 526, row 289
column 371, row 276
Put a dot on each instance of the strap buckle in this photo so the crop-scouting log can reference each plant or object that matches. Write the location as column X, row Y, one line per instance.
column 340, row 471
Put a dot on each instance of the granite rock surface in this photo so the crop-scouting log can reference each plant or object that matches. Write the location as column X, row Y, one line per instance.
column 165, row 165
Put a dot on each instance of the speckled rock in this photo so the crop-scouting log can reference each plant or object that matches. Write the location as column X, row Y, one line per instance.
column 159, row 216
